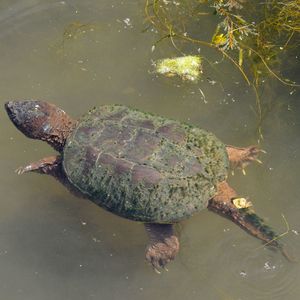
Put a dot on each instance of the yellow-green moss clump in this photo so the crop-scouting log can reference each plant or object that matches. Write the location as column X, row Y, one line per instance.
column 186, row 67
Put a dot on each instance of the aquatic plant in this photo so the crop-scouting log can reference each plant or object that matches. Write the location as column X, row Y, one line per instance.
column 244, row 31
column 254, row 36
column 74, row 31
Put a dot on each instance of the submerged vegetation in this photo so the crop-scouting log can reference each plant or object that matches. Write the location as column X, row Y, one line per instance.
column 254, row 36
column 244, row 31
column 74, row 31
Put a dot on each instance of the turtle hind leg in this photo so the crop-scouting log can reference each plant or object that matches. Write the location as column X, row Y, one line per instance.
column 163, row 245
column 242, row 157
column 246, row 218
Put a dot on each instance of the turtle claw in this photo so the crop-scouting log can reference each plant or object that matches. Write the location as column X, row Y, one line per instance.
column 29, row 168
column 42, row 166
column 258, row 161
column 22, row 170
column 158, row 260
column 242, row 157
column 19, row 170
column 159, row 272
column 161, row 253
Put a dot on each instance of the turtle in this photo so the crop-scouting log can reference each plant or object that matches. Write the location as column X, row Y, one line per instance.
column 140, row 166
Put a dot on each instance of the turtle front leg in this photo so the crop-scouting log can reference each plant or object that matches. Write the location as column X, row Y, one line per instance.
column 51, row 165
column 47, row 165
column 242, row 157
column 246, row 218
column 163, row 245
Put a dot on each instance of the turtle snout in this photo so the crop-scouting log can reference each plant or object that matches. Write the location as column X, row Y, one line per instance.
column 23, row 112
column 15, row 111
column 10, row 109
column 9, row 106
column 28, row 116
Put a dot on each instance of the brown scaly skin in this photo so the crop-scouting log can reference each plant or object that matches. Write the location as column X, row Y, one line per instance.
column 242, row 157
column 163, row 245
column 222, row 204
column 44, row 121
column 51, row 165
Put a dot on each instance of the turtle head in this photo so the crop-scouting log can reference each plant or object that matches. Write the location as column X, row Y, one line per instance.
column 41, row 120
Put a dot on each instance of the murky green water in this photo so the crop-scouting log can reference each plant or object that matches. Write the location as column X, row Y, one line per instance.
column 79, row 54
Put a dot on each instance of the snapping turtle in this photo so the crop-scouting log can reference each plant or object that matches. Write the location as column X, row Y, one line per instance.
column 140, row 166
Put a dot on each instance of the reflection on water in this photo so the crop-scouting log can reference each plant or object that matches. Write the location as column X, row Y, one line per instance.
column 55, row 246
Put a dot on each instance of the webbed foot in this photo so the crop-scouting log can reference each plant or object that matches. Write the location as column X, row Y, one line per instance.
column 161, row 253
column 163, row 246
column 44, row 166
column 240, row 158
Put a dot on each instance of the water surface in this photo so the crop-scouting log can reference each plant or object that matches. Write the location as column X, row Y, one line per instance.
column 79, row 54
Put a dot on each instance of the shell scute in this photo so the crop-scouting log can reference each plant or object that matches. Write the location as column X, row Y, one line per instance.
column 146, row 175
column 142, row 146
column 173, row 132
column 143, row 123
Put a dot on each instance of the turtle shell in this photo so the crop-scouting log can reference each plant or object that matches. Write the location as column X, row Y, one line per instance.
column 143, row 167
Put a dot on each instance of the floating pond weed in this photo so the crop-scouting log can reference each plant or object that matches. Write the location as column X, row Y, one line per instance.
column 186, row 67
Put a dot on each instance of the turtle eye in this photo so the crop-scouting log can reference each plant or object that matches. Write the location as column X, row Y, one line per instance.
column 47, row 128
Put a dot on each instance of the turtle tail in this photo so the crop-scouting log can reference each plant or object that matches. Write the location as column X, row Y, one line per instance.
column 265, row 232
column 254, row 222
column 246, row 218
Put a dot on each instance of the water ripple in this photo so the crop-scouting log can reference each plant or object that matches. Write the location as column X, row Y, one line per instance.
column 259, row 272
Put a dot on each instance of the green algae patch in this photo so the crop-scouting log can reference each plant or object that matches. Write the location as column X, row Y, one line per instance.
column 186, row 67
